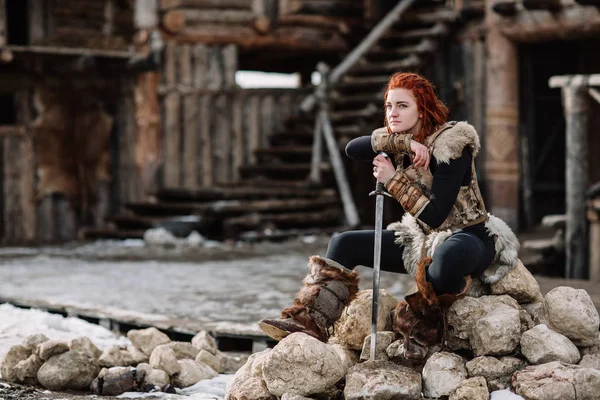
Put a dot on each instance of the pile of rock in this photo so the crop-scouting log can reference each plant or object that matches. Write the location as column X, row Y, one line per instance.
column 151, row 363
column 539, row 347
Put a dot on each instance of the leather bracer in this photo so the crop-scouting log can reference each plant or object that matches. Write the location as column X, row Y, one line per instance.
column 410, row 197
column 394, row 143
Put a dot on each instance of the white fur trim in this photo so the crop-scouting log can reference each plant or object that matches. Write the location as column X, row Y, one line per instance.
column 409, row 234
column 450, row 144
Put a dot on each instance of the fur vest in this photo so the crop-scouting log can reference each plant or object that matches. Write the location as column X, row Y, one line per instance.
column 418, row 240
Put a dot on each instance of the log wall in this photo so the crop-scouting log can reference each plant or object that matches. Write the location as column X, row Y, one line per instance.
column 210, row 126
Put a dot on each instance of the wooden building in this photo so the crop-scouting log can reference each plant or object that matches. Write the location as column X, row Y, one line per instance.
column 127, row 112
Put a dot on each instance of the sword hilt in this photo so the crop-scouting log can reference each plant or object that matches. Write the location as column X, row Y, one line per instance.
column 379, row 187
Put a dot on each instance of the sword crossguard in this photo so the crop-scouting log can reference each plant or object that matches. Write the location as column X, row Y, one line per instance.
column 379, row 190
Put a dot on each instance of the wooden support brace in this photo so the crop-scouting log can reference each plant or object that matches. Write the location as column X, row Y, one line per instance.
column 595, row 94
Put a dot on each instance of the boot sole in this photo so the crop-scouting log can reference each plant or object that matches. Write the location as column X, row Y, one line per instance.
column 273, row 331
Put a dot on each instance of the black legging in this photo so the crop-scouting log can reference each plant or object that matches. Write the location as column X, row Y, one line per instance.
column 461, row 254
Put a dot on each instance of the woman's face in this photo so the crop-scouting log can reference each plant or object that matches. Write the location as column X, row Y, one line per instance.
column 401, row 111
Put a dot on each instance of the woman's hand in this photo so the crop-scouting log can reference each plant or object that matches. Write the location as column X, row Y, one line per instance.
column 420, row 157
column 383, row 169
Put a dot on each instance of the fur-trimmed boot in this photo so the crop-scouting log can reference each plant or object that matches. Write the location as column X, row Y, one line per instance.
column 328, row 288
column 422, row 316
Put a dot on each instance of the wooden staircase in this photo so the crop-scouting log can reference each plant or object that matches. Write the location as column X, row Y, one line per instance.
column 275, row 199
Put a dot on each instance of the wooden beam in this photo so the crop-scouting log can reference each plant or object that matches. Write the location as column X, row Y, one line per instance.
column 543, row 25
column 288, row 38
column 146, row 14
column 595, row 94
column 174, row 21
column 224, row 4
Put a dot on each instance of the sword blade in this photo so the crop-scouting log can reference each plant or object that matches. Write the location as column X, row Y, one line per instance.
column 376, row 266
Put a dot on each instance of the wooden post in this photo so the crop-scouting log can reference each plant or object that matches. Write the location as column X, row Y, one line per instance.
column 3, row 40
column 576, row 107
column 350, row 211
column 502, row 123
column 172, row 171
column 146, row 14
column 148, row 134
column 594, row 219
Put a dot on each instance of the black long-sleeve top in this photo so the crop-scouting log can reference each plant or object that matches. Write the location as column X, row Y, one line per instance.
column 447, row 180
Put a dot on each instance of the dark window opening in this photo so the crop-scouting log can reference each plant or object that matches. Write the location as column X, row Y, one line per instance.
column 17, row 22
column 8, row 111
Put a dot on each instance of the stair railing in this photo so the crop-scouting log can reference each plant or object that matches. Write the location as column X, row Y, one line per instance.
column 323, row 126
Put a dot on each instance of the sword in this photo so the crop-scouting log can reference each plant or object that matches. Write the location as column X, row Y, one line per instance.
column 379, row 192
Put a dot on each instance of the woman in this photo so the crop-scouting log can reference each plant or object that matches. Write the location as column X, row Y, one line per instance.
column 445, row 238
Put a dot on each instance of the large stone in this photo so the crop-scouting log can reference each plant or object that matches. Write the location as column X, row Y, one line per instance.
column 355, row 323
column 496, row 371
column 31, row 342
column 203, row 341
column 84, row 345
column 115, row 356
column 384, row 339
column 253, row 389
column 164, row 358
column 190, row 373
column 497, row 333
column 116, row 380
column 471, row 389
column 68, row 371
column 442, row 374
column 542, row 345
column 382, row 380
column 51, row 348
column 349, row 357
column 27, row 370
column 154, row 379
column 557, row 381
column 137, row 355
column 572, row 313
column 461, row 317
column 13, row 356
column 207, row 358
column 590, row 361
column 183, row 350
column 248, row 383
column 147, row 339
column 537, row 311
column 518, row 284
column 593, row 349
column 301, row 364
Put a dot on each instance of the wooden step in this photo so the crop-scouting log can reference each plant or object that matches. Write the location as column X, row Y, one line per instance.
column 439, row 29
column 428, row 16
column 341, row 99
column 110, row 233
column 365, row 112
column 389, row 67
column 217, row 209
column 285, row 171
column 425, row 46
column 370, row 82
column 295, row 136
column 234, row 226
column 242, row 191
column 288, row 152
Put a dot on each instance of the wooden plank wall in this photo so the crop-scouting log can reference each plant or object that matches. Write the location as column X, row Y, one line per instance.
column 18, row 221
column 211, row 127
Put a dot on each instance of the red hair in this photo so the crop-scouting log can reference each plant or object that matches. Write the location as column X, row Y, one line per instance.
column 435, row 113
